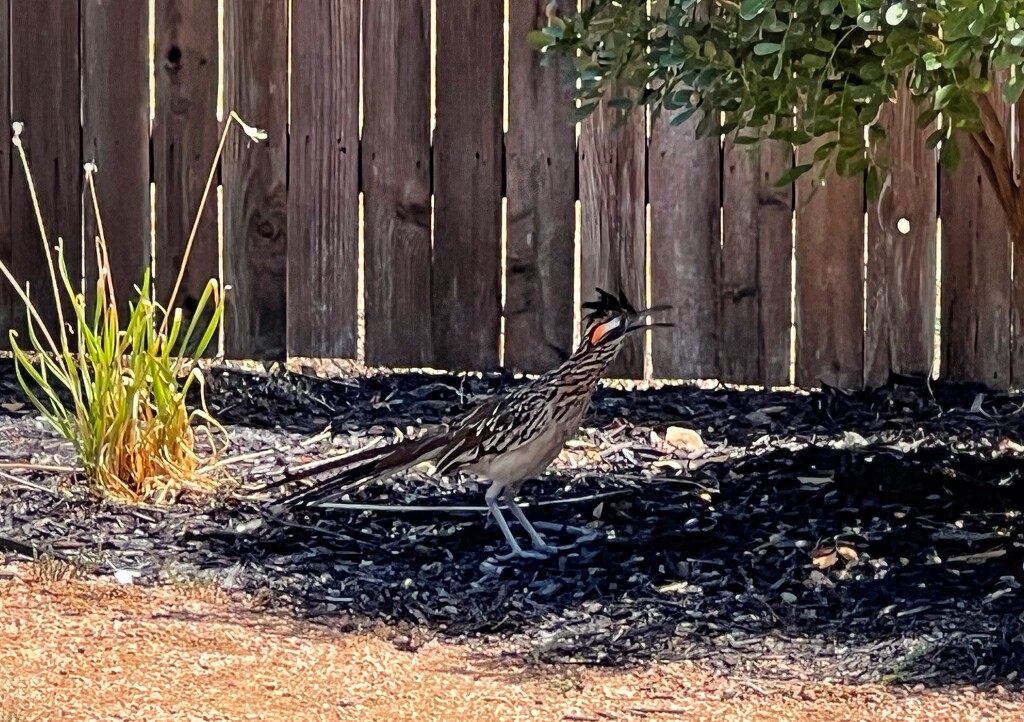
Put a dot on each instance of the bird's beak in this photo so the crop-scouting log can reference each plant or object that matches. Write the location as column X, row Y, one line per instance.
column 639, row 320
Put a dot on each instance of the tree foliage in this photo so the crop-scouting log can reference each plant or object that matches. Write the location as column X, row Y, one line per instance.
column 798, row 70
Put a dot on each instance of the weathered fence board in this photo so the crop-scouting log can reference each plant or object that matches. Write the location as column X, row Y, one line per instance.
column 396, row 180
column 255, row 178
column 975, row 273
column 829, row 275
column 900, row 311
column 185, row 138
column 1017, row 318
column 433, row 206
column 683, row 175
column 613, row 246
column 323, row 179
column 45, row 94
column 756, row 265
column 541, row 164
column 115, row 135
column 6, row 292
column 466, row 296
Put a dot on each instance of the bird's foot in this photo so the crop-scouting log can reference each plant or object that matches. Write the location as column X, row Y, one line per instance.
column 494, row 565
column 546, row 549
column 582, row 534
column 526, row 554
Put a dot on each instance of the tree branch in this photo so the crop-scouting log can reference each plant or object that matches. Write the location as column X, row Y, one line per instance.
column 996, row 162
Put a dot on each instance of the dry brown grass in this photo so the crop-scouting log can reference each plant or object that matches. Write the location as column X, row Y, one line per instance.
column 94, row 650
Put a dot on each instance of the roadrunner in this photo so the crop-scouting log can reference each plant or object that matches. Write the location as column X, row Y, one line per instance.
column 508, row 438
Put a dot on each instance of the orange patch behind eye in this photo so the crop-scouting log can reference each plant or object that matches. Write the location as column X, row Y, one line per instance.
column 601, row 330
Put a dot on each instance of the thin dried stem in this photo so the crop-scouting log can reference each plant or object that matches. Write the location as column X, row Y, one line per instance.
column 256, row 136
column 18, row 127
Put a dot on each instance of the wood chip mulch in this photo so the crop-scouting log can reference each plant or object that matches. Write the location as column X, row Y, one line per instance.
column 824, row 538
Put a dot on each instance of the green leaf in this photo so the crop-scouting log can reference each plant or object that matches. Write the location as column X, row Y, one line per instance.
column 868, row 20
column 682, row 116
column 581, row 113
column 793, row 136
column 896, row 13
column 750, row 9
column 850, row 7
column 949, row 154
column 976, row 85
column 934, row 137
column 772, row 23
column 827, row 7
column 955, row 53
column 538, row 40
column 1013, row 88
column 621, row 103
column 873, row 183
column 926, row 118
column 823, row 45
column 944, row 95
column 815, row 62
column 851, row 164
column 767, row 48
column 1006, row 60
column 792, row 174
column 824, row 150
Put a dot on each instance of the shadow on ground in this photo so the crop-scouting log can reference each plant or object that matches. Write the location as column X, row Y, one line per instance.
column 857, row 537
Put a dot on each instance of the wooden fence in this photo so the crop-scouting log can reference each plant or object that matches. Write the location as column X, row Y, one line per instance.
column 469, row 220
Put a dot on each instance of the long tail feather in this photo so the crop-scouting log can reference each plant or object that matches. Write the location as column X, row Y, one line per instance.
column 359, row 468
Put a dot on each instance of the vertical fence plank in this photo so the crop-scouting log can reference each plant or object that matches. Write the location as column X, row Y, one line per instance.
column 975, row 272
column 1017, row 319
column 115, row 134
column 396, row 180
column 684, row 180
column 255, row 178
column 6, row 293
column 541, row 168
column 756, row 265
column 467, row 175
column 829, row 275
column 45, row 95
column 613, row 245
column 185, row 138
column 900, row 332
column 323, row 179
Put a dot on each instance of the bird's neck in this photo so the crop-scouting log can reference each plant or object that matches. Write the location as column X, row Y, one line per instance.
column 588, row 363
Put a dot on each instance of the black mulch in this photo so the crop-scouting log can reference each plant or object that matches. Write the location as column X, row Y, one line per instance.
column 709, row 559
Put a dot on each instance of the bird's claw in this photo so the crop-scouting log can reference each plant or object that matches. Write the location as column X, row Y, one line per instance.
column 525, row 554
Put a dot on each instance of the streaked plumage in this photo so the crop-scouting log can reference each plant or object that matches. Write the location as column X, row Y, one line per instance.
column 507, row 439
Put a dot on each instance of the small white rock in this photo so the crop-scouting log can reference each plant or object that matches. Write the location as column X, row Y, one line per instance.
column 125, row 576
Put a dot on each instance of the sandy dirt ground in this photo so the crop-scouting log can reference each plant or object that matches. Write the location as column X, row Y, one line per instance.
column 95, row 650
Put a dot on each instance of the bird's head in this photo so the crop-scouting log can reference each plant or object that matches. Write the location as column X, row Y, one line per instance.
column 612, row 318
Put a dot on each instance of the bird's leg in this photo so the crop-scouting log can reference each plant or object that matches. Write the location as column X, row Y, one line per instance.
column 539, row 542
column 492, row 505
column 491, row 497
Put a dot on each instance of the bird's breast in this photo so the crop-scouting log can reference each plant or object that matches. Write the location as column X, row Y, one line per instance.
column 525, row 461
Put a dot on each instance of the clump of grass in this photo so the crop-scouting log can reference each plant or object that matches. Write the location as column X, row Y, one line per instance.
column 117, row 389
column 50, row 568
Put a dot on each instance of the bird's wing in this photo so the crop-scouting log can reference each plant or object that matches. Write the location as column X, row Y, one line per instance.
column 497, row 426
